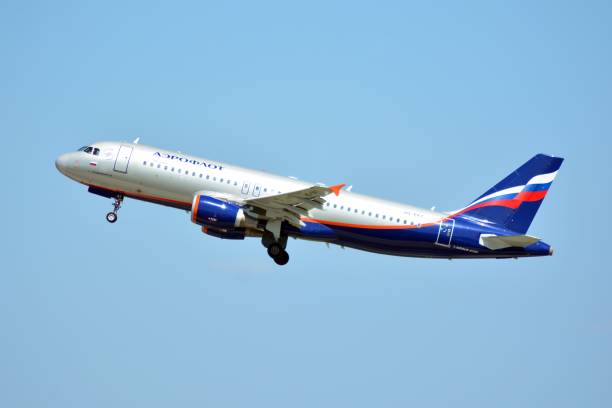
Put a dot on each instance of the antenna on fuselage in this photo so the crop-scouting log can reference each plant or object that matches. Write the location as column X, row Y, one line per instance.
column 349, row 188
column 136, row 140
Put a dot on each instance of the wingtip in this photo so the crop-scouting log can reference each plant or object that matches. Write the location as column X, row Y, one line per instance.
column 336, row 189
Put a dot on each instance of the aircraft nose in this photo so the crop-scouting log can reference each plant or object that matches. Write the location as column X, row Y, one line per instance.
column 61, row 163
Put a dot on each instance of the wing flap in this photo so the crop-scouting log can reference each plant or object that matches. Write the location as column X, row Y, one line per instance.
column 293, row 205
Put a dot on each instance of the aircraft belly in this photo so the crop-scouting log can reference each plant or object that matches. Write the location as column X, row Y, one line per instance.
column 147, row 187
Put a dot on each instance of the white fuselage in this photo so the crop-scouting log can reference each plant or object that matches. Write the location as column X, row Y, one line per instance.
column 174, row 177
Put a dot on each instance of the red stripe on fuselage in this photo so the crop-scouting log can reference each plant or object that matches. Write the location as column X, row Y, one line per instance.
column 498, row 203
column 349, row 225
column 514, row 204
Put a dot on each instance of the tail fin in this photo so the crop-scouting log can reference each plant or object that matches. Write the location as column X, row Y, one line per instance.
column 514, row 201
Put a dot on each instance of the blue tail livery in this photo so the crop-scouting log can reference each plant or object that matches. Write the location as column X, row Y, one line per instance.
column 513, row 202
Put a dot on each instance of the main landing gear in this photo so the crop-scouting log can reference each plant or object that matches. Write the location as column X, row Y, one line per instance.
column 278, row 253
column 276, row 249
column 112, row 216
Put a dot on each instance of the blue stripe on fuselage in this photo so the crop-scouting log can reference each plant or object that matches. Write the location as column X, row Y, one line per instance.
column 417, row 242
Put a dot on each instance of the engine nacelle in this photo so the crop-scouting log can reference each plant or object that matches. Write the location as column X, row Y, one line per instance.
column 238, row 233
column 212, row 212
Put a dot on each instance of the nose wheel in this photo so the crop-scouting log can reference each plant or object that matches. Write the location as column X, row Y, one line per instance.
column 112, row 216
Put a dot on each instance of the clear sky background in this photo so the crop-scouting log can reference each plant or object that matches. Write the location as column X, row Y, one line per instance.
column 429, row 103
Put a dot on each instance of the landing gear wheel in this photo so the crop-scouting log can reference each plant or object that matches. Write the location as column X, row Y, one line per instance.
column 275, row 250
column 111, row 217
column 282, row 258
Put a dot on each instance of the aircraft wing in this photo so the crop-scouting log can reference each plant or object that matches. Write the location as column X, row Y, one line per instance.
column 293, row 205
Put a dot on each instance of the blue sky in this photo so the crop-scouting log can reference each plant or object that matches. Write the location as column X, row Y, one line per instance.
column 424, row 103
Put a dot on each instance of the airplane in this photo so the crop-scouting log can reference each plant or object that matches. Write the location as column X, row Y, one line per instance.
column 231, row 202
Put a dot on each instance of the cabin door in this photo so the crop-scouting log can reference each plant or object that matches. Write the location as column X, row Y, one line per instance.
column 123, row 159
column 445, row 233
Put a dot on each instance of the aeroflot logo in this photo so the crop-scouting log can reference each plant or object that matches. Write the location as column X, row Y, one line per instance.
column 186, row 160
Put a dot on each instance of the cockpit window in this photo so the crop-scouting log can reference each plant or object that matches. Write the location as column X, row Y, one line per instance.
column 90, row 150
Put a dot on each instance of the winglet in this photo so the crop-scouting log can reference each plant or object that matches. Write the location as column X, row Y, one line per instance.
column 336, row 189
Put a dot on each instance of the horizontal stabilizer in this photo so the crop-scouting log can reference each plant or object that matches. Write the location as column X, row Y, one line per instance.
column 500, row 242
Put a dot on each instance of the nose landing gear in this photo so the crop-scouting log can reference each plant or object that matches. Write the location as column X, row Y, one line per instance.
column 112, row 216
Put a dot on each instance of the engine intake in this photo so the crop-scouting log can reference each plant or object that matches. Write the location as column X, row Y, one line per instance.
column 212, row 212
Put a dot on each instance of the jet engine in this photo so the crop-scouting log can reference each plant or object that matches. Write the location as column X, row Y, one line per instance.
column 213, row 212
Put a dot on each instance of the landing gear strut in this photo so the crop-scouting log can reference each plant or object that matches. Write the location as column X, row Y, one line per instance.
column 276, row 249
column 112, row 216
